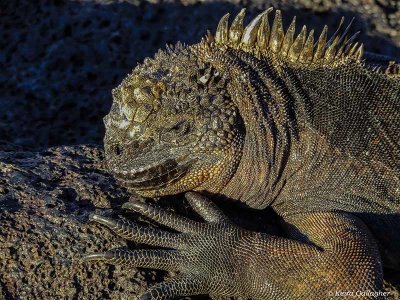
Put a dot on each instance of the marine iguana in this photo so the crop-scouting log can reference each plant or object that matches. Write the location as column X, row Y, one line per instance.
column 267, row 118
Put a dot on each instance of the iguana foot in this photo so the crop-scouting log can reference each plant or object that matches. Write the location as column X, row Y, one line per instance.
column 201, row 252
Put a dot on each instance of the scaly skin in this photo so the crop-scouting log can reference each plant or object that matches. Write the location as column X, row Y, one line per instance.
column 268, row 119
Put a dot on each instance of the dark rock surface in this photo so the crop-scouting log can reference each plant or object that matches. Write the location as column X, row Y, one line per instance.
column 59, row 61
column 45, row 199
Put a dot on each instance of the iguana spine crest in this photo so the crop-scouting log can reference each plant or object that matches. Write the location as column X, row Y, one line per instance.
column 260, row 37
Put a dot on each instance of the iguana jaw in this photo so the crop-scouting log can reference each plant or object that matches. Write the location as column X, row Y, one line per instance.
column 156, row 175
column 173, row 176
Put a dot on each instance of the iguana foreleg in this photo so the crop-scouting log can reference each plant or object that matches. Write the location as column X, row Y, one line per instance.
column 334, row 253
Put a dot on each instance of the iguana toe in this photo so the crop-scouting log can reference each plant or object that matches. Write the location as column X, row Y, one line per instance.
column 163, row 217
column 169, row 260
column 141, row 234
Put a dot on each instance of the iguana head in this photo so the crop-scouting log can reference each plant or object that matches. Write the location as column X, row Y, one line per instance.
column 173, row 127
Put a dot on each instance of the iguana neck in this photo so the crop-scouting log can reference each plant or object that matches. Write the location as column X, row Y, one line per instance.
column 260, row 96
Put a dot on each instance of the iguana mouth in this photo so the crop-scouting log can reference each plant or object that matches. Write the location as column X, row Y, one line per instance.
column 156, row 175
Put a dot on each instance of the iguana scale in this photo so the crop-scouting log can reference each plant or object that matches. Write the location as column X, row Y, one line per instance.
column 271, row 119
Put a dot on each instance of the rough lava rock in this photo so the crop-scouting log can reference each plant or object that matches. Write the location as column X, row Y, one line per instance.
column 45, row 200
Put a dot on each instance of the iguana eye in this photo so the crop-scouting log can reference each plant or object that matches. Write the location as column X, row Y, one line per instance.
column 180, row 128
column 177, row 133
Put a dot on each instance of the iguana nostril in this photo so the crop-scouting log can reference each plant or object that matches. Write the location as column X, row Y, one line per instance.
column 117, row 150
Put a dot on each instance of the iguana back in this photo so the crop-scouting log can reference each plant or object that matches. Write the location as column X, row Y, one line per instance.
column 356, row 108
